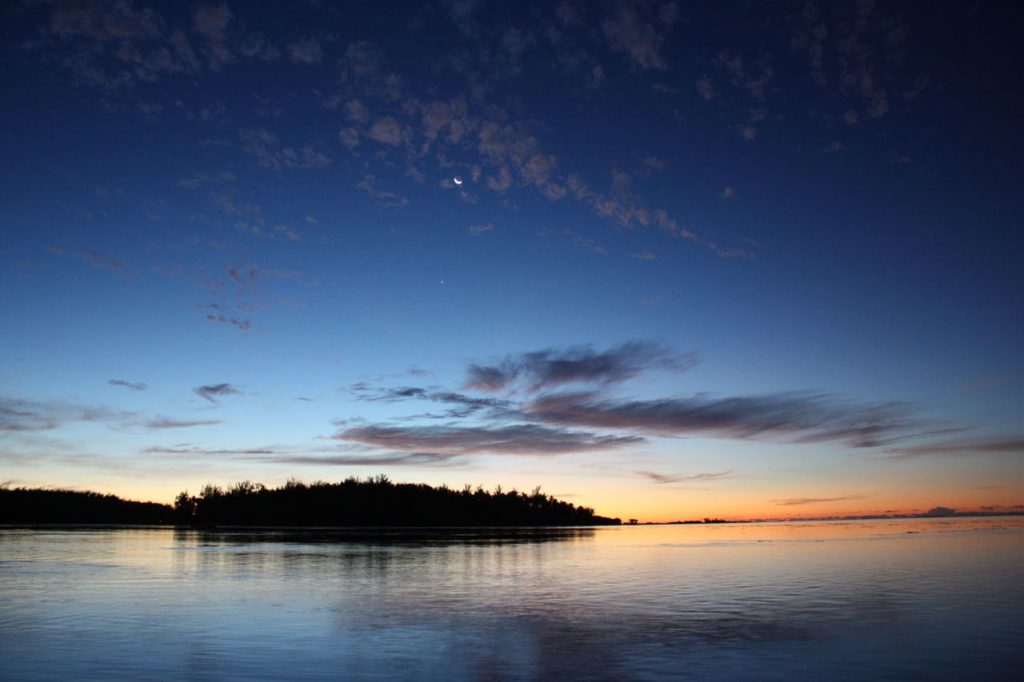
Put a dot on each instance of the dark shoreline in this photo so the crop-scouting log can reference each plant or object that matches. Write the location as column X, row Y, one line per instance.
column 352, row 503
column 470, row 527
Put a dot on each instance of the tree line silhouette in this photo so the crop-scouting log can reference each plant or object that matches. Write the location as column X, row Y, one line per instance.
column 34, row 505
column 374, row 501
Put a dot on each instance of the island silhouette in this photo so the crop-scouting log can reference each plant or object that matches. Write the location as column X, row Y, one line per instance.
column 375, row 501
column 40, row 505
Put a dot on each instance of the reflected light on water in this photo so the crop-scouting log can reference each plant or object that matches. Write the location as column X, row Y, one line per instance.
column 929, row 599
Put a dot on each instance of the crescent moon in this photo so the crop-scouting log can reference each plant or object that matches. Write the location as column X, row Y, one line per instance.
column 457, row 180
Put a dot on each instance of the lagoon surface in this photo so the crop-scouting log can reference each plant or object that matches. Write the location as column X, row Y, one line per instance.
column 939, row 599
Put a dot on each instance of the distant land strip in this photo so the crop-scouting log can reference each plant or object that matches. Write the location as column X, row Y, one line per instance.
column 374, row 501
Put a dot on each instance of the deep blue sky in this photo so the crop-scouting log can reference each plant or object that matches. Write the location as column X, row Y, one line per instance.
column 725, row 258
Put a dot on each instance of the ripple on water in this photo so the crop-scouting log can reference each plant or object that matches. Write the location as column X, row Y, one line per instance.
column 786, row 601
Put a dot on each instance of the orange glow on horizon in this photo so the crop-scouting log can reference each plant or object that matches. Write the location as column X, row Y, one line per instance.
column 648, row 503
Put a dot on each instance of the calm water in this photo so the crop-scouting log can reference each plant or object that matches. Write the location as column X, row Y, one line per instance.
column 922, row 599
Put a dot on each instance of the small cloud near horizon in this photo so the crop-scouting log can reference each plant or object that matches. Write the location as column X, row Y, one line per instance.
column 796, row 501
column 682, row 478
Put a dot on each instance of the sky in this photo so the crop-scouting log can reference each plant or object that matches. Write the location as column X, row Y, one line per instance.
column 668, row 260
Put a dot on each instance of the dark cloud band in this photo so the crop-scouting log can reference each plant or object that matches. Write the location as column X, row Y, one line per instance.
column 514, row 439
column 792, row 417
column 550, row 368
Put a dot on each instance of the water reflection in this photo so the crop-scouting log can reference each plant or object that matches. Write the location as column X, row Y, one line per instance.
column 791, row 601
column 417, row 537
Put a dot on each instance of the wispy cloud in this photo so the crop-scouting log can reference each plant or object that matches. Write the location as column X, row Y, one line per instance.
column 18, row 415
column 117, row 46
column 577, row 240
column 240, row 323
column 211, row 22
column 364, row 391
column 102, row 260
column 639, row 29
column 386, row 131
column 403, row 459
column 234, row 207
column 1009, row 445
column 516, row 439
column 684, row 478
column 856, row 56
column 469, row 404
column 306, row 51
column 214, row 391
column 165, row 423
column 705, row 88
column 97, row 259
column 540, row 417
column 194, row 450
column 135, row 386
column 796, row 501
column 268, row 151
column 200, row 180
column 479, row 229
column 464, row 405
column 386, row 198
column 789, row 417
column 555, row 367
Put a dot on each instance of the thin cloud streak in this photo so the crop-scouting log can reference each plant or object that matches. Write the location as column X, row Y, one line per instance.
column 273, row 454
column 190, row 450
column 796, row 501
column 466, row 405
column 412, row 458
column 790, row 417
column 135, row 386
column 1011, row 445
column 164, row 423
column 242, row 324
column 25, row 415
column 684, row 478
column 516, row 439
